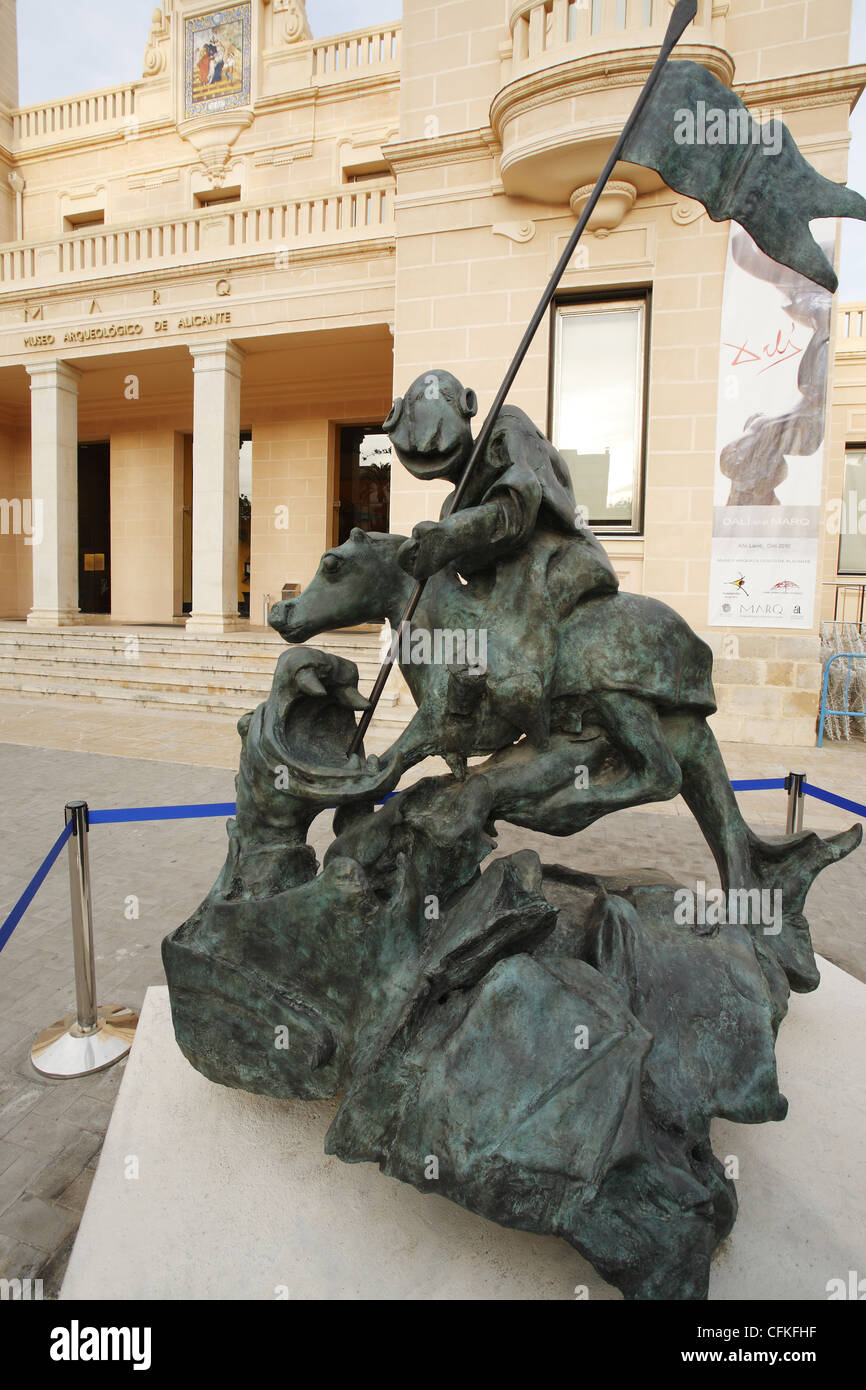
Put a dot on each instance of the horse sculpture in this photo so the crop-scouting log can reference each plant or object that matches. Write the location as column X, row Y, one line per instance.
column 618, row 690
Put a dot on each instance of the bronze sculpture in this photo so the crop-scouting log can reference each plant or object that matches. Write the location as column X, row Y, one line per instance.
column 445, row 1002
column 559, row 1042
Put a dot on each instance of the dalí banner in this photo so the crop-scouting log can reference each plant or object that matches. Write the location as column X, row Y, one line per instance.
column 772, row 417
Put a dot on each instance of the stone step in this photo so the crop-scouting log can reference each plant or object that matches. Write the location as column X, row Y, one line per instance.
column 257, row 651
column 34, row 676
column 91, row 662
column 229, row 674
column 388, row 713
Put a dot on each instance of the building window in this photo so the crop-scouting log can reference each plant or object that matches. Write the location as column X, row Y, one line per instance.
column 367, row 175
column 215, row 197
column 852, row 545
column 599, row 389
column 364, row 480
column 80, row 221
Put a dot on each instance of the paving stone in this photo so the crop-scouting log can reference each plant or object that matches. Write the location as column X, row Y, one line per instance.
column 18, row 1260
column 46, row 1134
column 38, row 1223
column 21, row 1099
column 52, row 1270
column 76, row 1194
column 22, row 1170
column 8, row 1154
column 89, row 1113
column 54, row 1179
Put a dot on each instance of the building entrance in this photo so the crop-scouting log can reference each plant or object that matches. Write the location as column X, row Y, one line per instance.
column 94, row 528
column 364, row 480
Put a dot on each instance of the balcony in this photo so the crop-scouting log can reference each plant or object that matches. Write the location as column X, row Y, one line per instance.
column 358, row 56
column 283, row 231
column 571, row 73
column 851, row 332
column 106, row 112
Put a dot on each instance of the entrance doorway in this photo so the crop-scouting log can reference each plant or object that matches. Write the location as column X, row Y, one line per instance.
column 94, row 528
column 364, row 463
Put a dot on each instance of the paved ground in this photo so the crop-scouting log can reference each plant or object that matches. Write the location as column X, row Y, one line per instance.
column 51, row 751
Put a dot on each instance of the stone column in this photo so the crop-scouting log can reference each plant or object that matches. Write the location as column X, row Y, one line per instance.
column 54, row 490
column 215, row 482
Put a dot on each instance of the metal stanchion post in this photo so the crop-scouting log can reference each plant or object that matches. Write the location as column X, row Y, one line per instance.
column 92, row 1038
column 796, row 802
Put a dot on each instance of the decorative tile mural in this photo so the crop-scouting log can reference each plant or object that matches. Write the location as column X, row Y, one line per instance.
column 217, row 62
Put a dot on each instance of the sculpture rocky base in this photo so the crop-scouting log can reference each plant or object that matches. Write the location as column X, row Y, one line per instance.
column 544, row 1047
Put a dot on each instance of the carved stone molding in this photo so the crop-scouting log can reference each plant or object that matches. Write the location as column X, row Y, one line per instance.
column 617, row 199
column 519, row 232
column 824, row 88
column 582, row 76
column 156, row 53
column 290, row 23
column 685, row 213
column 212, row 138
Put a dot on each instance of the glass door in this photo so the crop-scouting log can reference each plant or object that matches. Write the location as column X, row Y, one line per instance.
column 364, row 461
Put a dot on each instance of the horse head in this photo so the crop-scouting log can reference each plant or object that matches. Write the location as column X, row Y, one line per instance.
column 358, row 582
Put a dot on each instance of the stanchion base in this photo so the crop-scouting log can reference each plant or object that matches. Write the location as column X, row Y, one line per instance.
column 64, row 1051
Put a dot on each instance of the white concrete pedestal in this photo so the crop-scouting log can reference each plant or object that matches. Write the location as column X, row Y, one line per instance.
column 234, row 1197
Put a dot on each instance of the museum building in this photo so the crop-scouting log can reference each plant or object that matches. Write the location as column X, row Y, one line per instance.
column 215, row 278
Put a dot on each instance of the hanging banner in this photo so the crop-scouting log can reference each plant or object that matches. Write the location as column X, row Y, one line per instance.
column 772, row 414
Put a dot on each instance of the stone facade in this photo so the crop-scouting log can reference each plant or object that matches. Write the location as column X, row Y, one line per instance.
column 384, row 202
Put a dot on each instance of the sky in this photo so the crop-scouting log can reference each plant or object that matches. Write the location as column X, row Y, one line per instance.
column 69, row 46
column 852, row 276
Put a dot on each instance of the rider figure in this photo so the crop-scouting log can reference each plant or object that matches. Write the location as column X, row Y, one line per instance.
column 517, row 522
column 519, row 485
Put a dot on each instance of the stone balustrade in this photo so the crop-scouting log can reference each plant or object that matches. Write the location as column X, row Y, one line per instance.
column 346, row 215
column 545, row 32
column 852, row 328
column 570, row 74
column 106, row 111
column 357, row 54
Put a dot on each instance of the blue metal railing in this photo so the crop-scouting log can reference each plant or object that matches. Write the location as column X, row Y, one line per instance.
column 846, row 712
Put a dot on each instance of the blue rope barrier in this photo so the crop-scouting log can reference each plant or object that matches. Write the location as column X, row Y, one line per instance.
column 229, row 808
column 202, row 812
column 772, row 784
column 138, row 813
column 33, row 886
column 834, row 800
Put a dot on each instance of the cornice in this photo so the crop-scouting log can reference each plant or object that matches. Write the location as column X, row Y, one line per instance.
column 315, row 95
column 167, row 125
column 377, row 248
column 31, row 154
column 404, row 156
column 823, row 88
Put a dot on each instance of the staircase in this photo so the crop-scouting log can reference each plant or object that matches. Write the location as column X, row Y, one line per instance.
column 158, row 667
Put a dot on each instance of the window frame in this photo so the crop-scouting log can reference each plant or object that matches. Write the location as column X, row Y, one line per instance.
column 611, row 298
column 849, row 449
